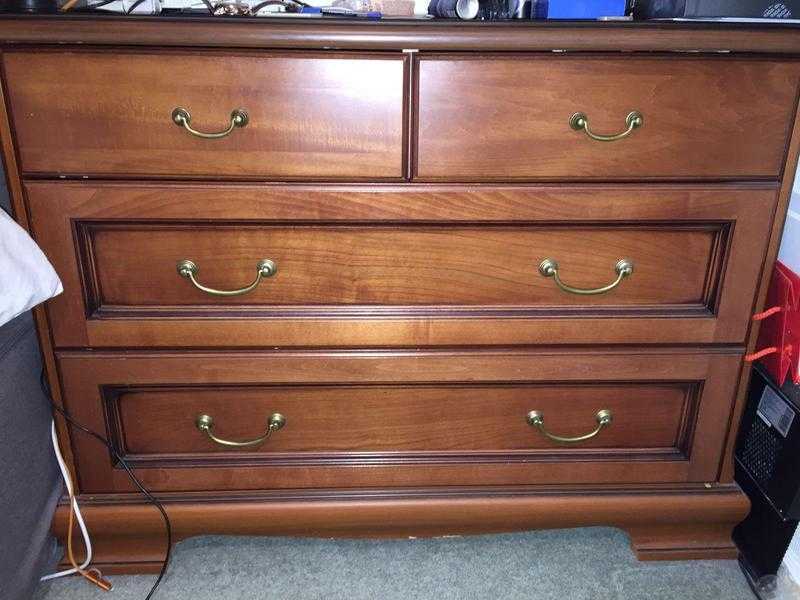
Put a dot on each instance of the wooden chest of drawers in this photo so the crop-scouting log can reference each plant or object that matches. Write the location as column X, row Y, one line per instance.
column 407, row 279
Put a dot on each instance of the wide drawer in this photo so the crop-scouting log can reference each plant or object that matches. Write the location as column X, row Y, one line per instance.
column 111, row 113
column 509, row 117
column 367, row 419
column 406, row 265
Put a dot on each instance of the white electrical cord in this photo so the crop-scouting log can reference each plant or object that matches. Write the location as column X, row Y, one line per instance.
column 75, row 507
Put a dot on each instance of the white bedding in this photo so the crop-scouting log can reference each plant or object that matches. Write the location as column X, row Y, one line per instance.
column 26, row 276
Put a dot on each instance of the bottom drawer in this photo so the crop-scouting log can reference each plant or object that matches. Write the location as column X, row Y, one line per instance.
column 397, row 419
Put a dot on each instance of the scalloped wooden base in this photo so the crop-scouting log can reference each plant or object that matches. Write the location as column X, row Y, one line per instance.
column 662, row 524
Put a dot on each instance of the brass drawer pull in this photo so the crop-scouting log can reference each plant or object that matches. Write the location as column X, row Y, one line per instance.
column 536, row 419
column 205, row 424
column 580, row 121
column 265, row 268
column 549, row 268
column 182, row 118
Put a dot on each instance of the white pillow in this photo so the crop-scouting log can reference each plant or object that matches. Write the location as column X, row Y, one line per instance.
column 26, row 277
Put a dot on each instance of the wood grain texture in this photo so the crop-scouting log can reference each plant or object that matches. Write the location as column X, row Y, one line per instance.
column 771, row 255
column 90, row 378
column 310, row 116
column 366, row 250
column 11, row 171
column 397, row 265
column 499, row 118
column 687, row 524
column 402, row 419
column 393, row 35
column 19, row 210
column 381, row 352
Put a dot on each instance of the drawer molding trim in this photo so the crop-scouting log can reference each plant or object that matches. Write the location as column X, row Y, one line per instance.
column 86, row 232
column 678, row 449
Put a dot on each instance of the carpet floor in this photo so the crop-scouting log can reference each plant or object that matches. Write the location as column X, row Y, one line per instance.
column 576, row 564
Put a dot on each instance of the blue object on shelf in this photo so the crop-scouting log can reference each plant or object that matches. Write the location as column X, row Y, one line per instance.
column 539, row 9
column 585, row 9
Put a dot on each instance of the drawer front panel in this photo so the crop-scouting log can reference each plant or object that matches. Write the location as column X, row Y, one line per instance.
column 401, row 265
column 308, row 116
column 497, row 118
column 413, row 418
column 403, row 418
column 135, row 266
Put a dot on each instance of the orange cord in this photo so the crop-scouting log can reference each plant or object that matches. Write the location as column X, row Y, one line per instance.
column 760, row 354
column 98, row 580
column 767, row 313
column 68, row 4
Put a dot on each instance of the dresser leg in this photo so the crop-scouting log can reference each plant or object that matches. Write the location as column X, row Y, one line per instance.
column 123, row 541
column 683, row 541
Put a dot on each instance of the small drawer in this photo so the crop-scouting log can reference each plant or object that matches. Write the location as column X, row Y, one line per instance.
column 284, row 116
column 288, row 266
column 296, row 420
column 498, row 118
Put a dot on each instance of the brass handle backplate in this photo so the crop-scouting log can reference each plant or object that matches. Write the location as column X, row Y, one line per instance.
column 265, row 268
column 205, row 423
column 579, row 121
column 183, row 118
column 549, row 268
column 536, row 419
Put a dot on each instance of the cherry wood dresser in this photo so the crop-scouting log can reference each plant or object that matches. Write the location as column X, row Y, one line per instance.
column 388, row 279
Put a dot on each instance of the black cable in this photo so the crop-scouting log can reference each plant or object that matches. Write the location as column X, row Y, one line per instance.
column 266, row 3
column 133, row 6
column 152, row 499
column 94, row 5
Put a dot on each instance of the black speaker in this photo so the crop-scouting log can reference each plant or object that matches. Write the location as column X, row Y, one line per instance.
column 698, row 9
column 767, row 467
column 30, row 6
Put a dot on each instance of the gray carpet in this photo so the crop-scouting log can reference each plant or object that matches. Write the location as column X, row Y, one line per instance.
column 578, row 564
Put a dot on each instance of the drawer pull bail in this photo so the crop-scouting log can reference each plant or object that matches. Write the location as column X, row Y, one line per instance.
column 549, row 268
column 183, row 118
column 205, row 423
column 579, row 121
column 536, row 419
column 265, row 268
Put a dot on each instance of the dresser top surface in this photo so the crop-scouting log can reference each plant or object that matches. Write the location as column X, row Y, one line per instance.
column 522, row 36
